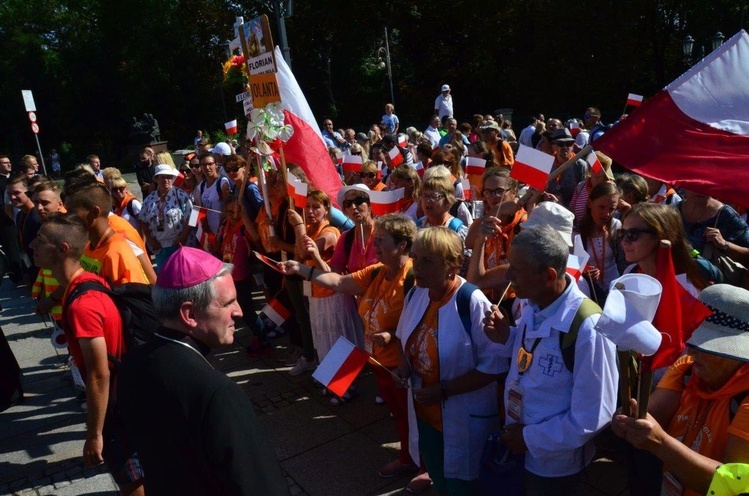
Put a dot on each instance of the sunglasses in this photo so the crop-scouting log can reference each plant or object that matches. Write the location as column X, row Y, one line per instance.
column 562, row 145
column 498, row 192
column 370, row 175
column 229, row 170
column 194, row 166
column 120, row 189
column 185, row 171
column 632, row 234
column 208, row 164
column 355, row 201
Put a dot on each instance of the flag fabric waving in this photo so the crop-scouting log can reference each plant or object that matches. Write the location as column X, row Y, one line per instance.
column 231, row 127
column 577, row 261
column 396, row 158
column 341, row 365
column 475, row 165
column 595, row 164
column 352, row 163
column 695, row 132
column 467, row 191
column 276, row 312
column 532, row 167
column 385, row 202
column 297, row 191
column 419, row 168
column 634, row 100
column 306, row 147
column 197, row 215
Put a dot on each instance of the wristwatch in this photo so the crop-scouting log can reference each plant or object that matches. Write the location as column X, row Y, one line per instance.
column 725, row 246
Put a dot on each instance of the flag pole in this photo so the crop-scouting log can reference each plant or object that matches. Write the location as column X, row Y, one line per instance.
column 285, row 173
column 264, row 190
column 625, row 108
column 556, row 172
column 372, row 359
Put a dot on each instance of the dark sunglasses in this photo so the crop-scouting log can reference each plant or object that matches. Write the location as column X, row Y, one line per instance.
column 632, row 234
column 207, row 164
column 185, row 171
column 355, row 201
column 562, row 145
column 120, row 189
column 229, row 170
column 370, row 175
column 194, row 166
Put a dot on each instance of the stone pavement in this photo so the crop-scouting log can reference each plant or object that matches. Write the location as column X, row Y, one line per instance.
column 324, row 450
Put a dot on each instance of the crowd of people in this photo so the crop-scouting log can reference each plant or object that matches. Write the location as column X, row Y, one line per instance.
column 462, row 298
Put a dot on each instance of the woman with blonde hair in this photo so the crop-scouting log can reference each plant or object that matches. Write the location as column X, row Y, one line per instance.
column 406, row 177
column 371, row 177
column 124, row 203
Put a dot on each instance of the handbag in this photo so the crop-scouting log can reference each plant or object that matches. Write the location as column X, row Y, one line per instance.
column 501, row 472
column 733, row 272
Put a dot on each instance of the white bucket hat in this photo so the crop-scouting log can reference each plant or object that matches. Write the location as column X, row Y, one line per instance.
column 553, row 215
column 342, row 192
column 726, row 332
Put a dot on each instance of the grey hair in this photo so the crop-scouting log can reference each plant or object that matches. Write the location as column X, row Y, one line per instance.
column 169, row 301
column 543, row 247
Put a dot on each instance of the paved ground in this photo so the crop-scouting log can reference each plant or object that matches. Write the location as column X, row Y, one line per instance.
column 324, row 450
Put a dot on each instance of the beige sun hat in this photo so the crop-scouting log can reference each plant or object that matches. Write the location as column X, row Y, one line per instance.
column 726, row 332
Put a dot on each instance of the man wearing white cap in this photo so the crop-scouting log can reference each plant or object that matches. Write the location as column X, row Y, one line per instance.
column 443, row 105
column 558, row 393
column 195, row 427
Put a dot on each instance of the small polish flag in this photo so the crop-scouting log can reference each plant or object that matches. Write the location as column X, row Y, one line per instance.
column 179, row 180
column 532, row 167
column 419, row 168
column 402, row 140
column 231, row 127
column 341, row 365
column 595, row 164
column 576, row 265
column 197, row 215
column 339, row 157
column 276, row 312
column 634, row 100
column 380, row 165
column 385, row 202
column 475, row 165
column 467, row 192
column 297, row 190
column 352, row 163
column 574, row 128
column 395, row 157
column 268, row 261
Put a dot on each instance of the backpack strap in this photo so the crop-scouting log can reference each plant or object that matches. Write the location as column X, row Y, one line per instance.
column 408, row 282
column 454, row 224
column 130, row 207
column 85, row 287
column 463, row 302
column 568, row 340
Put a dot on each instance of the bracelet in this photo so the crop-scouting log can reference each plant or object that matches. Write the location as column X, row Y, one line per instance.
column 311, row 271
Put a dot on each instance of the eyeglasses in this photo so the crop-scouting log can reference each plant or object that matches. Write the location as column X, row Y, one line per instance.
column 207, row 164
column 632, row 234
column 355, row 201
column 433, row 198
column 120, row 189
column 230, row 170
column 498, row 192
column 370, row 175
column 562, row 144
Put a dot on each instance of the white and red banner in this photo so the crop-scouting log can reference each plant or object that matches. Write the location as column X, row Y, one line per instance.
column 297, row 190
column 396, row 158
column 419, row 168
column 352, row 163
column 339, row 157
column 306, row 147
column 695, row 132
column 475, row 166
column 385, row 202
column 402, row 140
column 467, row 191
column 273, row 264
column 532, row 167
column 197, row 215
column 231, row 127
column 341, row 365
column 577, row 261
column 574, row 128
column 276, row 312
column 595, row 164
column 634, row 100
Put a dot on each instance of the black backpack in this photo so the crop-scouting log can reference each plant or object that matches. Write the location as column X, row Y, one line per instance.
column 133, row 300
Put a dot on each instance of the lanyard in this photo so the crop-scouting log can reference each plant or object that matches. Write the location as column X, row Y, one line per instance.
column 602, row 262
column 525, row 357
column 183, row 344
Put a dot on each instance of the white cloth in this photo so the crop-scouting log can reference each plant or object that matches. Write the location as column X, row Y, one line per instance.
column 331, row 317
column 526, row 135
column 468, row 418
column 444, row 105
column 595, row 249
column 210, row 198
column 561, row 410
column 434, row 136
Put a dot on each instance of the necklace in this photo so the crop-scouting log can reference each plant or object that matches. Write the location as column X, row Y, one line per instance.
column 183, row 344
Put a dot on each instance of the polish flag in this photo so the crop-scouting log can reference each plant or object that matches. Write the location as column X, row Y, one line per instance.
column 276, row 312
column 695, row 132
column 577, row 261
column 339, row 157
column 341, row 365
column 574, row 128
column 197, row 215
column 178, row 180
column 380, row 165
column 306, row 147
column 396, row 158
column 273, row 264
column 467, row 192
column 352, row 163
column 634, row 100
column 297, row 191
column 231, row 127
column 402, row 140
column 595, row 164
column 475, row 165
column 532, row 167
column 385, row 202
column 419, row 168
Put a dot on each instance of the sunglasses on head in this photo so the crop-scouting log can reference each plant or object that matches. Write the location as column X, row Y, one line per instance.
column 632, row 234
column 370, row 175
column 355, row 201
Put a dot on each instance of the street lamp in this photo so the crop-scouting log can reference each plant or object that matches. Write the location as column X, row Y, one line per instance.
column 688, row 46
column 718, row 40
column 382, row 65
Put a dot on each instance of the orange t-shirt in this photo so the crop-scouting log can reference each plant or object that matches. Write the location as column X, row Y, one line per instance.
column 380, row 308
column 503, row 152
column 702, row 420
column 422, row 351
column 497, row 250
column 379, row 186
column 121, row 225
column 319, row 291
column 114, row 261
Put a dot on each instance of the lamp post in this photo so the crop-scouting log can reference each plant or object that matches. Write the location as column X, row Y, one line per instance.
column 386, row 51
column 687, row 47
column 283, row 9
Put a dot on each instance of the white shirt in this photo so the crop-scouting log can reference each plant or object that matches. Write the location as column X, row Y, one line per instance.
column 562, row 410
column 444, row 105
column 434, row 136
column 526, row 135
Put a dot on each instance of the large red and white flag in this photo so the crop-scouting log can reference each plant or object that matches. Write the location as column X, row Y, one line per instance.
column 532, row 167
column 231, row 127
column 396, row 158
column 634, row 100
column 475, row 166
column 306, row 147
column 341, row 365
column 595, row 164
column 385, row 202
column 352, row 163
column 297, row 191
column 695, row 132
column 276, row 312
column 197, row 215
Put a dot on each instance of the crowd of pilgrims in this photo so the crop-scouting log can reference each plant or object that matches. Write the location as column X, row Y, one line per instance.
column 346, row 272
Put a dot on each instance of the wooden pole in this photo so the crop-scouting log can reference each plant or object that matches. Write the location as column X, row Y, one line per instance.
column 582, row 153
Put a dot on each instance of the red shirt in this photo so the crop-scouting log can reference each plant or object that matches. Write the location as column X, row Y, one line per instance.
column 92, row 315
